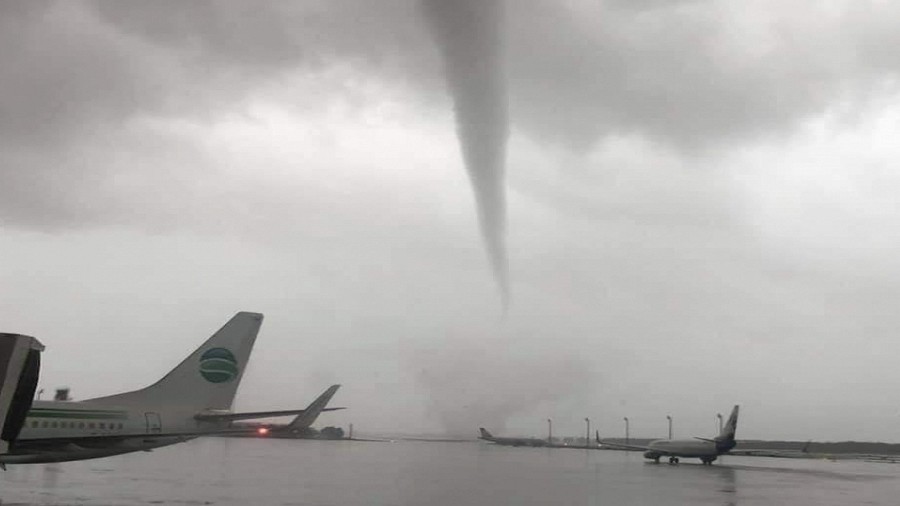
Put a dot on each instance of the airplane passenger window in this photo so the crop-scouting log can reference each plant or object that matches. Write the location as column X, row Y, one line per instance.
column 34, row 424
column 44, row 424
column 54, row 425
column 91, row 425
column 80, row 425
column 102, row 425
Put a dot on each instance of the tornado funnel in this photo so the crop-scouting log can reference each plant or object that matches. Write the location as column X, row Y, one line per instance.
column 469, row 34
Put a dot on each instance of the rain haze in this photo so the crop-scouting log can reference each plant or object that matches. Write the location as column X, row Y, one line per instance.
column 691, row 204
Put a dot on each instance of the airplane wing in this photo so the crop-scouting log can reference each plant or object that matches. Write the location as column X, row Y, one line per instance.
column 304, row 417
column 771, row 452
column 27, row 445
column 64, row 449
column 631, row 447
column 764, row 453
column 796, row 454
column 634, row 447
column 227, row 417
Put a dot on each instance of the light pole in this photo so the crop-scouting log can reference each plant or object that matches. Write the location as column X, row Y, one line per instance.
column 626, row 430
column 549, row 431
column 587, row 432
column 719, row 416
column 669, row 418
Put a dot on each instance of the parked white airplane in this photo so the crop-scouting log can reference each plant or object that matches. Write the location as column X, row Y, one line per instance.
column 707, row 450
column 191, row 400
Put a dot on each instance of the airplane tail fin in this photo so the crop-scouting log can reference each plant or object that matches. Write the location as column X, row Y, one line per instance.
column 484, row 433
column 208, row 378
column 730, row 427
column 309, row 415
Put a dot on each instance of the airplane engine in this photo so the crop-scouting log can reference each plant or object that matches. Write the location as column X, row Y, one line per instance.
column 20, row 365
column 651, row 455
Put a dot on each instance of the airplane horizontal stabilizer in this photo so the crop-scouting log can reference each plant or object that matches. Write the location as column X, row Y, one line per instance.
column 629, row 447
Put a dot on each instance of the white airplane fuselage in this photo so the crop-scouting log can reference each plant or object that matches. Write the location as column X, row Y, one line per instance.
column 98, row 429
column 85, row 419
column 683, row 448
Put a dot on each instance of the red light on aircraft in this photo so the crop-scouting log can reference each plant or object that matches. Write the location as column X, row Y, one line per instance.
column 262, row 431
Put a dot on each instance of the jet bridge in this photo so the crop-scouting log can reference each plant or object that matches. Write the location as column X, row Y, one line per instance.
column 20, row 365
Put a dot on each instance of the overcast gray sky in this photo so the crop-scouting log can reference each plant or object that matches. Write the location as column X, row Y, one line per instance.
column 702, row 210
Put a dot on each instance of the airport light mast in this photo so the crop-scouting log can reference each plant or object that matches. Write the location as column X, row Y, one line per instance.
column 719, row 416
column 587, row 433
column 669, row 418
column 549, row 431
column 626, row 430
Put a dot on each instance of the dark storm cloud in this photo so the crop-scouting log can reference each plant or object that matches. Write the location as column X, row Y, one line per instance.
column 687, row 74
column 690, row 74
column 70, row 88
column 81, row 78
column 273, row 36
column 66, row 75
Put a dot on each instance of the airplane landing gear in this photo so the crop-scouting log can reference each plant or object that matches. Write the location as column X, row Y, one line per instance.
column 708, row 461
column 673, row 460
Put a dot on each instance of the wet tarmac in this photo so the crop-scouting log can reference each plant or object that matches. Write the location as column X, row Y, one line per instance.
column 302, row 472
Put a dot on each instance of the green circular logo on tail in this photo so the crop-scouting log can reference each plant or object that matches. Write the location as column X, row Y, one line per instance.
column 218, row 365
